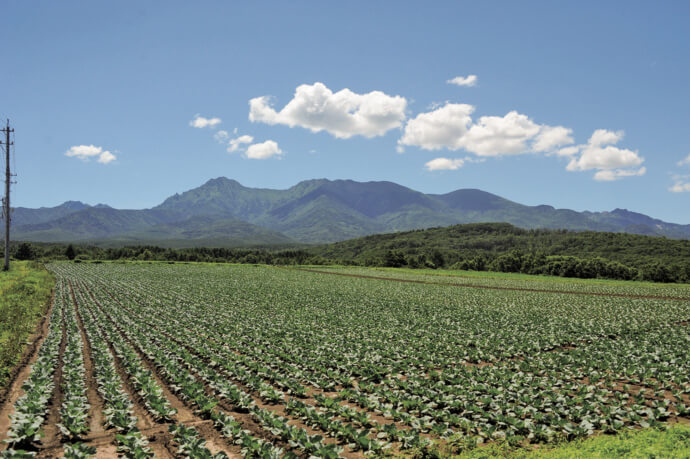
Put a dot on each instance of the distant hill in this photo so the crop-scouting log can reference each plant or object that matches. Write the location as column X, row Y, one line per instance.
column 459, row 243
column 26, row 216
column 226, row 213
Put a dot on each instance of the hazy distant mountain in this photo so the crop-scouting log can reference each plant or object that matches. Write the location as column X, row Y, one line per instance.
column 223, row 212
column 24, row 215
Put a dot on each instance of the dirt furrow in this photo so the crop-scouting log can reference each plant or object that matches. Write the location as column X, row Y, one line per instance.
column 185, row 414
column 278, row 409
column 96, row 418
column 50, row 429
column 240, row 415
column 157, row 439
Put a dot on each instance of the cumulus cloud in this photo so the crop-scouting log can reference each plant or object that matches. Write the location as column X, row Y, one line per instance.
column 680, row 187
column 263, row 150
column 496, row 135
column 568, row 151
column 233, row 144
column 106, row 157
column 451, row 127
column 684, row 162
column 343, row 114
column 444, row 164
column 444, row 127
column 88, row 152
column 236, row 143
column 469, row 80
column 201, row 122
column 609, row 175
column 605, row 137
column 609, row 161
column 221, row 136
column 551, row 137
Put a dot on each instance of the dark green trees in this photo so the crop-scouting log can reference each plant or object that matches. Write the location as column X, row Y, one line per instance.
column 70, row 253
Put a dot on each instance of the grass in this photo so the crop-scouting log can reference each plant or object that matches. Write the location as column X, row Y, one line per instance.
column 25, row 293
column 673, row 442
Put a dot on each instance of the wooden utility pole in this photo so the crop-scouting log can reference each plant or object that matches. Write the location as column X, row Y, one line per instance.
column 6, row 200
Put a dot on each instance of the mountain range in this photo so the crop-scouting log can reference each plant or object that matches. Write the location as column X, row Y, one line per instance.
column 222, row 212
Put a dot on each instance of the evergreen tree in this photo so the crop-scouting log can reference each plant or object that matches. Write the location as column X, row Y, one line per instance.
column 70, row 253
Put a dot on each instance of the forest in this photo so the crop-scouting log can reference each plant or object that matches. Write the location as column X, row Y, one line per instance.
column 498, row 247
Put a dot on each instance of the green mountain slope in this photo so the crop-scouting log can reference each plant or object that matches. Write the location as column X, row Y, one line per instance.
column 318, row 211
column 26, row 216
column 467, row 241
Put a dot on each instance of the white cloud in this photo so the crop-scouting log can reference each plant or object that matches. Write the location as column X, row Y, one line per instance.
column 451, row 127
column 236, row 143
column 444, row 164
column 610, row 162
column 221, row 136
column 469, row 80
column 343, row 114
column 684, row 162
column 106, row 157
column 87, row 152
column 568, row 151
column 444, row 127
column 496, row 135
column 263, row 150
column 201, row 122
column 605, row 137
column 609, row 175
column 680, row 187
column 551, row 137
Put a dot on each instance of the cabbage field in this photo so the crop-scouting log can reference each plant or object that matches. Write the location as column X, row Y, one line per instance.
column 202, row 361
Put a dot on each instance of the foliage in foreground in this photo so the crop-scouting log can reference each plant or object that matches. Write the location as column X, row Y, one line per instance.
column 672, row 442
column 24, row 299
column 525, row 368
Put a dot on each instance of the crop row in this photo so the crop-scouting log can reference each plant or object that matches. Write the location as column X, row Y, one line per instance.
column 439, row 360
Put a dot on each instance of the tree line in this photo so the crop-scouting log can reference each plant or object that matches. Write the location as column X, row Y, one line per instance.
column 496, row 247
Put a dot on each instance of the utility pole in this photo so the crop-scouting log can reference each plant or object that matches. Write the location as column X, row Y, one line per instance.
column 6, row 200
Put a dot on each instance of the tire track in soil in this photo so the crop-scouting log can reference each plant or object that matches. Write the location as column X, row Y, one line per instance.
column 494, row 287
column 21, row 372
column 215, row 442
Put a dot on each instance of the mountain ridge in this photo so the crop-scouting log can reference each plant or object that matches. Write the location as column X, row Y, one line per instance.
column 312, row 211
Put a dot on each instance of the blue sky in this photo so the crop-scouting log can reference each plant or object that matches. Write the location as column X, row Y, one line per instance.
column 580, row 105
